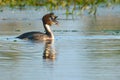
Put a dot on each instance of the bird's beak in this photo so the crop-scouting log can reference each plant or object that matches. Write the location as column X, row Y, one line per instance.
column 56, row 22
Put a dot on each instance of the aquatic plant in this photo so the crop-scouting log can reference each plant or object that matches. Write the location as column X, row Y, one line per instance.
column 69, row 5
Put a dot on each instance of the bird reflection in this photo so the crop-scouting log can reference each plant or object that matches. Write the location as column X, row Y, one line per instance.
column 49, row 51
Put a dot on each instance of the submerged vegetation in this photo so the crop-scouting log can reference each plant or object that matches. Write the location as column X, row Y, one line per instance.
column 69, row 5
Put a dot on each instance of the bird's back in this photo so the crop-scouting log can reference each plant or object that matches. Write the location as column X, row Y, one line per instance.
column 31, row 35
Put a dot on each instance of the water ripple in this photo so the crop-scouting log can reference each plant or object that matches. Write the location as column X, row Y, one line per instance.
column 88, row 37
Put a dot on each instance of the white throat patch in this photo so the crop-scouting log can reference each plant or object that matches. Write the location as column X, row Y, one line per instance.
column 48, row 27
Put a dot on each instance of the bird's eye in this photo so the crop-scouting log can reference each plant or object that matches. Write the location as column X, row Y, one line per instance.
column 52, row 17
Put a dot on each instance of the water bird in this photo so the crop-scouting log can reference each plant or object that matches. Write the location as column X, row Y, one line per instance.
column 48, row 20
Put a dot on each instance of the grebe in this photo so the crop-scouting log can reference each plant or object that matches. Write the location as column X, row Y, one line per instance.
column 48, row 20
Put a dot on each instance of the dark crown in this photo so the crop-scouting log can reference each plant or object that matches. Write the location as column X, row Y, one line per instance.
column 49, row 19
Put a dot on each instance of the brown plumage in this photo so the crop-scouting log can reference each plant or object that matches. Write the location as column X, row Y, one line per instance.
column 48, row 20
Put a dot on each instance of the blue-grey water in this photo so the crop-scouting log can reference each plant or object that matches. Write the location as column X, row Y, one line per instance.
column 85, row 48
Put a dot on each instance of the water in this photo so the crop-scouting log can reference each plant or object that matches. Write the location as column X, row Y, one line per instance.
column 86, row 48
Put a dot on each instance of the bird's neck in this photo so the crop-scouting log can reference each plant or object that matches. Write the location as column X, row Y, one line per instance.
column 48, row 31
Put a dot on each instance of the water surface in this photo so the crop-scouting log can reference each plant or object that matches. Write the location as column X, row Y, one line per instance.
column 85, row 48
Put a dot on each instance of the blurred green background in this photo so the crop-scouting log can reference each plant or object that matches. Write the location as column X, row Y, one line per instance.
column 69, row 5
column 55, row 4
